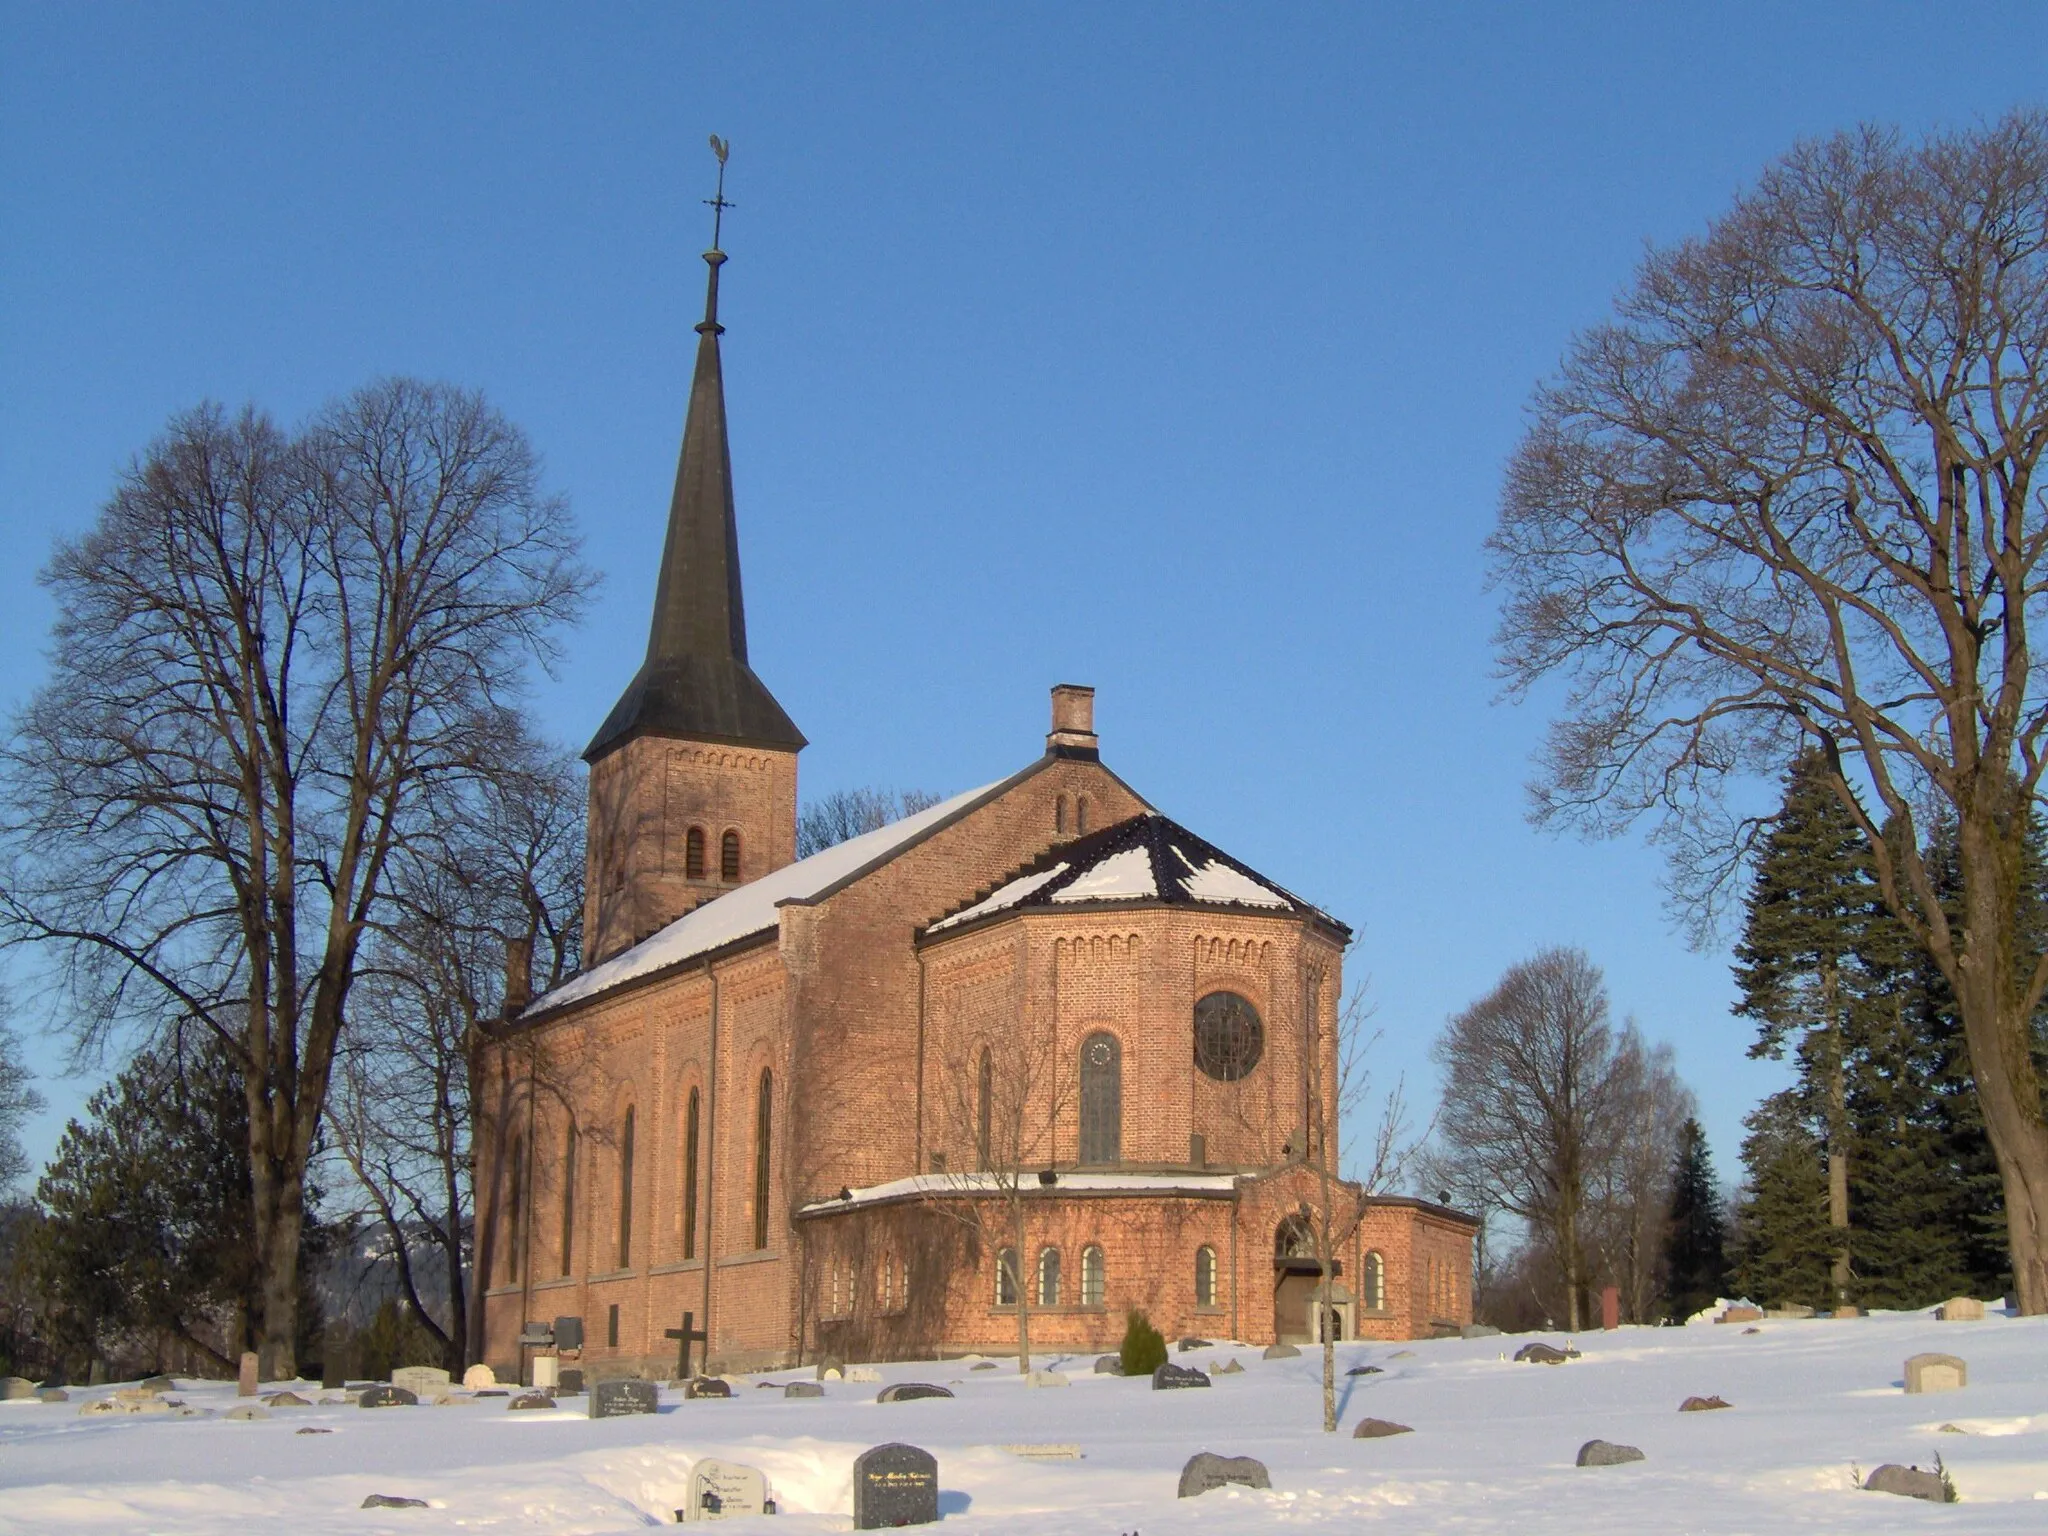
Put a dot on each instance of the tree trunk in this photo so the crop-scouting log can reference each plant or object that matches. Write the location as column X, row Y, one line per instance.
column 280, row 1222
column 1838, row 1132
column 1025, row 1277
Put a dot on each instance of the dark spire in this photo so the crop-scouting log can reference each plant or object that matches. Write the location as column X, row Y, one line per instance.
column 696, row 682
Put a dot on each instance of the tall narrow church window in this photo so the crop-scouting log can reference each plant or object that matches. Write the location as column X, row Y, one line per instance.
column 984, row 1095
column 763, row 1125
column 729, row 858
column 693, row 854
column 1006, row 1278
column 1049, row 1277
column 690, row 1129
column 1081, row 816
column 626, row 1190
column 515, row 1239
column 1205, row 1276
column 1102, row 1099
column 568, row 1198
column 1091, row 1276
column 1059, row 814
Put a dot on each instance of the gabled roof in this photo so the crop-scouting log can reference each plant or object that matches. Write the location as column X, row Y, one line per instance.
column 1147, row 859
column 750, row 911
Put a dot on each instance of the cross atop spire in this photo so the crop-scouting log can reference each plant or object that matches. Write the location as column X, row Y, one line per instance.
column 696, row 683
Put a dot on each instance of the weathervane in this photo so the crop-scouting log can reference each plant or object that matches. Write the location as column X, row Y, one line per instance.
column 718, row 204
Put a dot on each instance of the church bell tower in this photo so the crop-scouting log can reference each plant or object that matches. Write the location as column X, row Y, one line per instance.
column 693, row 773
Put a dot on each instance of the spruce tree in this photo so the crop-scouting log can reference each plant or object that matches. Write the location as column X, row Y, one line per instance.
column 1784, row 1247
column 1816, row 947
column 1695, row 1252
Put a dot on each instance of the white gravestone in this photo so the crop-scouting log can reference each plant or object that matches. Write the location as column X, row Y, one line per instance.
column 724, row 1490
column 479, row 1376
column 1936, row 1373
column 425, row 1382
column 547, row 1372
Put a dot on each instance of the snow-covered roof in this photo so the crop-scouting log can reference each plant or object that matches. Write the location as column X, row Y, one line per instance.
column 970, row 1185
column 1147, row 858
column 750, row 909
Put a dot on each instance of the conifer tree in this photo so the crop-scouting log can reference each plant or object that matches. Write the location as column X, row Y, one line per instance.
column 1695, row 1253
column 1784, row 1247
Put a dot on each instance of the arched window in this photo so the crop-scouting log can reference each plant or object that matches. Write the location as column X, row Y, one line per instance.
column 690, row 1134
column 1102, row 1099
column 515, row 1239
column 1293, row 1239
column 1048, row 1277
column 1006, row 1278
column 1205, row 1276
column 984, row 1096
column 693, row 854
column 1373, row 1283
column 1081, row 816
column 729, row 858
column 626, row 1191
column 764, row 1111
column 1059, row 814
column 1091, row 1276
column 568, row 1198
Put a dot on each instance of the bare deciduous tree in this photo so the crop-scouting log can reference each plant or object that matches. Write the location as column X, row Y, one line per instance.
column 1789, row 497
column 1538, row 1094
column 495, row 886
column 269, row 650
column 847, row 813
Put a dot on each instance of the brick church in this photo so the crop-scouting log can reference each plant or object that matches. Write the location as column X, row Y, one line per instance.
column 1037, row 1043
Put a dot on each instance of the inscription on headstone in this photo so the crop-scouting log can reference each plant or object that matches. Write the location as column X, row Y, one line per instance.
column 1936, row 1373
column 1171, row 1378
column 1206, row 1470
column 616, row 1399
column 387, row 1397
column 420, row 1380
column 894, row 1485
column 246, row 1385
column 709, row 1386
column 726, row 1490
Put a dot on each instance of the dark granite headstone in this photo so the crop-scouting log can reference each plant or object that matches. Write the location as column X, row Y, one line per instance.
column 1544, row 1354
column 1206, row 1470
column 708, row 1386
column 1172, row 1377
column 570, row 1382
column 804, row 1389
column 1191, row 1343
column 526, row 1400
column 894, row 1485
column 393, row 1501
column 1380, row 1429
column 382, row 1396
column 1909, row 1481
column 1604, row 1453
column 1363, row 1370
column 1109, row 1365
column 911, row 1391
column 617, row 1399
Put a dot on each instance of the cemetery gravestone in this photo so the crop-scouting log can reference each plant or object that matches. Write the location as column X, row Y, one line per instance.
column 894, row 1485
column 245, row 1386
column 1604, row 1453
column 1109, row 1365
column 1364, row 1370
column 1610, row 1307
column 1206, row 1470
column 1848, row 1311
column 1229, row 1367
column 393, row 1501
column 547, row 1372
column 910, row 1392
column 425, row 1381
column 868, row 1373
column 804, row 1389
column 830, row 1369
column 1541, row 1354
column 1281, row 1352
column 617, row 1399
column 526, row 1400
column 571, row 1382
column 387, row 1397
column 1702, row 1404
column 285, row 1400
column 1936, row 1373
column 53, row 1395
column 1961, row 1309
column 1909, row 1481
column 1379, row 1429
column 726, row 1490
column 983, row 1365
column 709, row 1386
column 156, row 1384
column 479, row 1375
column 1173, row 1378
column 16, row 1389
column 1192, row 1344
column 1739, row 1314
column 1046, row 1379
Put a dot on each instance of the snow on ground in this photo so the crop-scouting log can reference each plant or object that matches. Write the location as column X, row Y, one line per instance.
column 1492, row 1450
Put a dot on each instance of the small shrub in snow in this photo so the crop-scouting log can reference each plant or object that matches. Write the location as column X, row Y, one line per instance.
column 1144, row 1347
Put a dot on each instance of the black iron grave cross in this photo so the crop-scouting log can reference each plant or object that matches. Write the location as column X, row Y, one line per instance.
column 684, row 1336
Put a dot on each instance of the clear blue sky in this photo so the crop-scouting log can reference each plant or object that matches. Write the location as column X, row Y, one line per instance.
column 1175, row 350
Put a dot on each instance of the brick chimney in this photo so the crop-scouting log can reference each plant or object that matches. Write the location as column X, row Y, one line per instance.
column 518, row 974
column 1073, row 723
